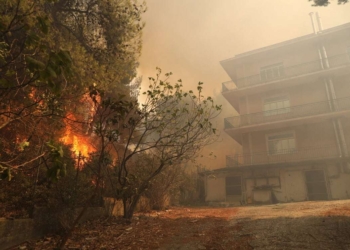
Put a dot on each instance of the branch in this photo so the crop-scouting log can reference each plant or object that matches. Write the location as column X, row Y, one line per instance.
column 23, row 164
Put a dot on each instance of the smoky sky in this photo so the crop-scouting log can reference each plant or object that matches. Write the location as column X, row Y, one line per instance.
column 190, row 38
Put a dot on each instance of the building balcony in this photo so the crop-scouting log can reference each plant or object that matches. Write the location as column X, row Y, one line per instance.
column 288, row 72
column 281, row 77
column 291, row 116
column 285, row 158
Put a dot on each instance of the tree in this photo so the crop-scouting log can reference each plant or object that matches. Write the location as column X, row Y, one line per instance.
column 164, row 188
column 50, row 53
column 109, row 31
column 169, row 128
column 326, row 2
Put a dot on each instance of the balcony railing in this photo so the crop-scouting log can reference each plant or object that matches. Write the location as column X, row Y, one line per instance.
column 286, row 156
column 288, row 72
column 310, row 109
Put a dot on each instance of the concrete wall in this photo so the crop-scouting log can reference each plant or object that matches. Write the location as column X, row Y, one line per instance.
column 306, row 136
column 339, row 182
column 300, row 95
column 303, row 94
column 281, row 184
column 262, row 196
column 294, row 186
column 288, row 55
column 341, row 85
column 113, row 207
column 215, row 188
column 337, row 43
column 295, row 54
column 14, row 232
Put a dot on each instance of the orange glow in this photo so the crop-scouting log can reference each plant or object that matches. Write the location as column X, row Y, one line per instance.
column 81, row 146
column 32, row 94
column 75, row 133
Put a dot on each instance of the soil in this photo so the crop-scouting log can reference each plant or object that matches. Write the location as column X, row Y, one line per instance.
column 302, row 225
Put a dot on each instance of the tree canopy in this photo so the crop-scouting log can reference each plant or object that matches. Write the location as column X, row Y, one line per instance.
column 166, row 130
column 68, row 69
column 51, row 53
column 326, row 2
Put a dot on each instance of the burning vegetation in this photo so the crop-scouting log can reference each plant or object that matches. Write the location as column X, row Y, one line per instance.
column 80, row 143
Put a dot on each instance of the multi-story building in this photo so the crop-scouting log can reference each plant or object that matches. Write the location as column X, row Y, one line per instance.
column 293, row 101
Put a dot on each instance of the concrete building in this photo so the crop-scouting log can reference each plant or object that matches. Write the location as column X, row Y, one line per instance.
column 293, row 101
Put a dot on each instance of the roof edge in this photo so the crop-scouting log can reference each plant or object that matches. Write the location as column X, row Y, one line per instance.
column 287, row 42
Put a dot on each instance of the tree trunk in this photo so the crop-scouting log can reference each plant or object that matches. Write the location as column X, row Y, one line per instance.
column 129, row 210
column 64, row 239
column 68, row 234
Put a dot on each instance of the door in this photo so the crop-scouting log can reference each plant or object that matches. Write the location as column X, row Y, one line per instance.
column 316, row 185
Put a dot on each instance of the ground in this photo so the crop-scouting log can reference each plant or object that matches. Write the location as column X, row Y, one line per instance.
column 302, row 225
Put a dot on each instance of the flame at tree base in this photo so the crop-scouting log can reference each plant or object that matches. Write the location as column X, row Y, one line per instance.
column 81, row 146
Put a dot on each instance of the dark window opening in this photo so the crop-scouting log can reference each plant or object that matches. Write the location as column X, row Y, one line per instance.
column 316, row 185
column 233, row 185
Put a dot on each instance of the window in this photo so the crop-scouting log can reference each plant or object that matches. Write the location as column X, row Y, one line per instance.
column 233, row 185
column 276, row 106
column 271, row 72
column 281, row 143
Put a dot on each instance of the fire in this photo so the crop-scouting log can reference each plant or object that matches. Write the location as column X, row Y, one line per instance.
column 81, row 146
column 75, row 134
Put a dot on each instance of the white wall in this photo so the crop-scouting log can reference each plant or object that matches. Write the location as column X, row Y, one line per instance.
column 293, row 184
column 215, row 187
column 339, row 183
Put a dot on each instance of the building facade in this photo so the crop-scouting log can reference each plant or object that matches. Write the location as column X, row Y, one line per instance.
column 293, row 101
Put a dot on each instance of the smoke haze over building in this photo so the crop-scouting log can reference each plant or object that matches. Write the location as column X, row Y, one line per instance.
column 190, row 38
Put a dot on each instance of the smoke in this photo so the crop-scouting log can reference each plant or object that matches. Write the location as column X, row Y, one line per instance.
column 191, row 37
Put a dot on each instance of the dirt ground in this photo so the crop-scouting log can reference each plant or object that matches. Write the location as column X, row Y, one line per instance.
column 303, row 225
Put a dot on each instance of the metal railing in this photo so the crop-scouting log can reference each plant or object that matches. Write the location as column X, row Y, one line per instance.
column 287, row 113
column 285, row 156
column 288, row 72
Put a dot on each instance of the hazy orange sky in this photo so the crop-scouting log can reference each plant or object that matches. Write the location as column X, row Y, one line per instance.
column 191, row 37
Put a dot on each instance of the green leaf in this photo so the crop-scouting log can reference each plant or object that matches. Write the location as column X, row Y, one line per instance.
column 43, row 24
column 34, row 64
column 65, row 56
column 51, row 72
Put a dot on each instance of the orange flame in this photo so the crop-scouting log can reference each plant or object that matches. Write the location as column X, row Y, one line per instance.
column 81, row 146
column 80, row 141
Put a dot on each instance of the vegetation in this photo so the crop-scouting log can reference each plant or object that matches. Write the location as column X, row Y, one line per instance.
column 71, row 127
column 52, row 52
column 326, row 2
column 168, row 129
